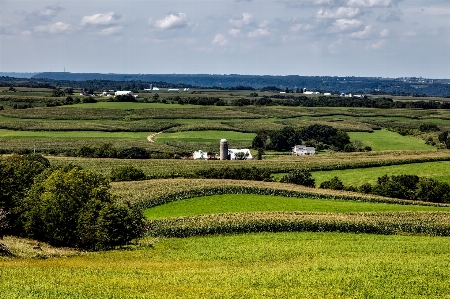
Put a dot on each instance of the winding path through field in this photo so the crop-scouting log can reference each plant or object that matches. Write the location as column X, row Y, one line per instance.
column 150, row 137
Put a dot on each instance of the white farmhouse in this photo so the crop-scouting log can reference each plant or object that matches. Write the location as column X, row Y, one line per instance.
column 200, row 155
column 303, row 150
column 241, row 154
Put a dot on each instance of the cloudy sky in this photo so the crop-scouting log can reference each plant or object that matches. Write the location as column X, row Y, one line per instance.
column 379, row 38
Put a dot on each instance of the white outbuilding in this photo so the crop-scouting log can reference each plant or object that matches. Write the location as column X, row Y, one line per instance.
column 303, row 150
column 240, row 154
column 123, row 93
column 200, row 155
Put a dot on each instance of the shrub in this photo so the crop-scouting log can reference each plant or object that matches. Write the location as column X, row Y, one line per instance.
column 333, row 184
column 299, row 177
column 127, row 173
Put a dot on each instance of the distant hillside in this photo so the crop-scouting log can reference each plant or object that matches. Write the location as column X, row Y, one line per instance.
column 17, row 75
column 355, row 85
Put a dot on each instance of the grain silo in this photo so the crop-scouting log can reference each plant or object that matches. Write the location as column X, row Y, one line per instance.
column 223, row 149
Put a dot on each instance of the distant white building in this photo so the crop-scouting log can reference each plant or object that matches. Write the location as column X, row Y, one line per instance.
column 155, row 88
column 123, row 93
column 241, row 154
column 303, row 150
column 200, row 155
column 173, row 90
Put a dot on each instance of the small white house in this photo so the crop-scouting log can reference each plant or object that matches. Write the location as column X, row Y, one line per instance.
column 303, row 150
column 244, row 153
column 200, row 155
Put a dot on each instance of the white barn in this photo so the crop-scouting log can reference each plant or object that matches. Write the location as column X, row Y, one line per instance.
column 303, row 150
column 245, row 152
column 200, row 155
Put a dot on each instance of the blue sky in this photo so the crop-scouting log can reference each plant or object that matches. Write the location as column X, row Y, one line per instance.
column 377, row 38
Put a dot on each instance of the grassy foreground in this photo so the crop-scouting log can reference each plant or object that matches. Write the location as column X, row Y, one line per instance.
column 281, row 265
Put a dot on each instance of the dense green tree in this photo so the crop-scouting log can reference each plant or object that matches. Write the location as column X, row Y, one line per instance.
column 284, row 139
column 73, row 207
column 17, row 174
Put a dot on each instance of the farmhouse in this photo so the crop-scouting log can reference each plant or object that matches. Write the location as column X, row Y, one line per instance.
column 302, row 150
column 200, row 155
column 239, row 154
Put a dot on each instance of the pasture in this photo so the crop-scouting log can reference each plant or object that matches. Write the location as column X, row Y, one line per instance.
column 383, row 140
column 206, row 136
column 281, row 265
column 357, row 177
column 228, row 203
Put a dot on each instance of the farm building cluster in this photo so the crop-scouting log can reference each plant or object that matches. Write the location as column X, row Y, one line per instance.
column 244, row 153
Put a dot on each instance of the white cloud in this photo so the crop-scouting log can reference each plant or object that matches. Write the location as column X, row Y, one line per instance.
column 111, row 30
column 377, row 45
column 345, row 25
column 259, row 32
column 384, row 33
column 340, row 13
column 234, row 31
column 372, row 3
column 172, row 21
column 46, row 14
column 220, row 39
column 56, row 28
column 106, row 19
column 301, row 27
column 363, row 34
column 390, row 16
column 241, row 21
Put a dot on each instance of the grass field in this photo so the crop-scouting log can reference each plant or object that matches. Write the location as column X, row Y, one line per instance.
column 383, row 140
column 281, row 265
column 122, row 105
column 254, row 203
column 357, row 177
column 206, row 136
column 74, row 134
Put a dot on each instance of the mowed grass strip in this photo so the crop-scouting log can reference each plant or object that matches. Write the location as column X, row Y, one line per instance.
column 383, row 140
column 356, row 177
column 126, row 105
column 206, row 136
column 264, row 265
column 228, row 203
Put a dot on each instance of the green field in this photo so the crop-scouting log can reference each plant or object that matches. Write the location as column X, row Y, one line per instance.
column 356, row 177
column 122, row 105
column 264, row 265
column 256, row 203
column 206, row 136
column 383, row 140
column 74, row 134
